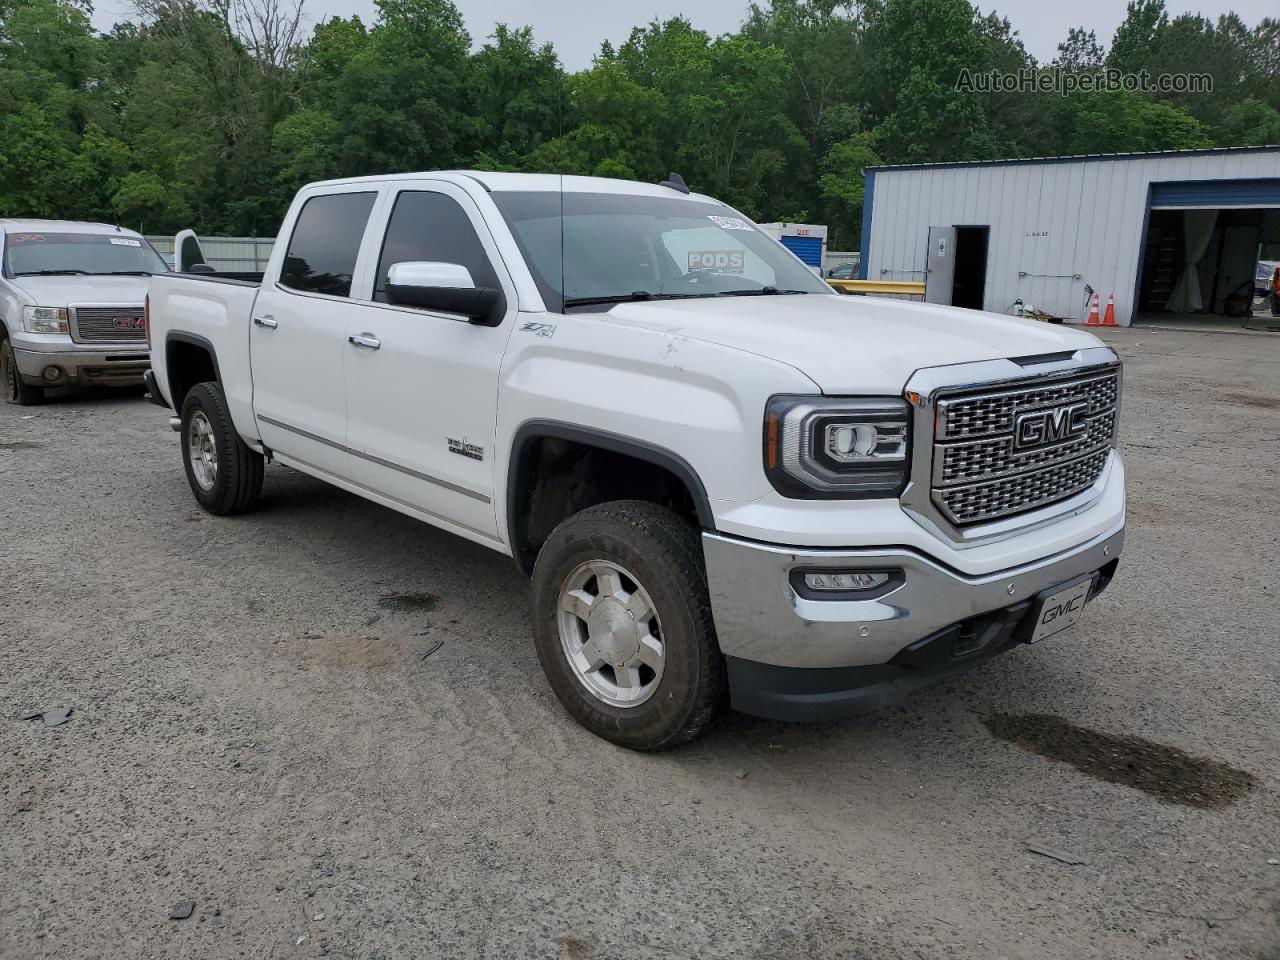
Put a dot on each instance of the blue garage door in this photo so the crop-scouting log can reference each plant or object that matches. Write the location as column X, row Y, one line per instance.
column 1259, row 192
column 808, row 249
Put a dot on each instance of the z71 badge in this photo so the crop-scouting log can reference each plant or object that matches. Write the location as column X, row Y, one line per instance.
column 464, row 449
column 541, row 329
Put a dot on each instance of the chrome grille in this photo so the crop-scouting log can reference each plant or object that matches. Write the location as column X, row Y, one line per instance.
column 992, row 413
column 979, row 474
column 107, row 324
column 1000, row 498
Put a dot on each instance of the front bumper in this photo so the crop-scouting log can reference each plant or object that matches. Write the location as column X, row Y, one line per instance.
column 54, row 368
column 791, row 657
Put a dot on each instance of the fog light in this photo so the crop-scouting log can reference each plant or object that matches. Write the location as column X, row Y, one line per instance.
column 846, row 582
column 51, row 373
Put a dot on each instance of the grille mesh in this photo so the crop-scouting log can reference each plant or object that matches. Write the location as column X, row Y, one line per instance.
column 965, row 463
column 993, row 413
column 979, row 476
column 114, row 324
column 1010, row 495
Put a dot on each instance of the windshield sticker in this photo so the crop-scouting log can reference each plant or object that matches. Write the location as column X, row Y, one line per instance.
column 125, row 242
column 27, row 238
column 717, row 261
column 731, row 223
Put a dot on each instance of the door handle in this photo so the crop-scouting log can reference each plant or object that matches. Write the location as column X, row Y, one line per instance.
column 365, row 340
column 268, row 321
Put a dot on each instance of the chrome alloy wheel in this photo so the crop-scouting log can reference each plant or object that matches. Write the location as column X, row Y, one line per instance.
column 611, row 634
column 201, row 450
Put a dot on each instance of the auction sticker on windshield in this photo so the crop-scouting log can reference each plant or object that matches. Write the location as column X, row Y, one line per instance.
column 731, row 223
column 125, row 242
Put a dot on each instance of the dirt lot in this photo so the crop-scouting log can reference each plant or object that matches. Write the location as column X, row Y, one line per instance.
column 255, row 729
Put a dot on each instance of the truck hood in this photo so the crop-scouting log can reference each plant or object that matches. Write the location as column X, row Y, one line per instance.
column 852, row 344
column 72, row 290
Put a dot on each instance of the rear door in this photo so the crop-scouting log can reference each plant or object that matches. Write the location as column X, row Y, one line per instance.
column 422, row 404
column 940, row 265
column 298, row 335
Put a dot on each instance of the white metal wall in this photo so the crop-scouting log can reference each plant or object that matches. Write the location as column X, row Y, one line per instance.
column 234, row 254
column 1049, row 221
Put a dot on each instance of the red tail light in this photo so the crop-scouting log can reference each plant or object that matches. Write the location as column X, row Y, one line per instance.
column 146, row 318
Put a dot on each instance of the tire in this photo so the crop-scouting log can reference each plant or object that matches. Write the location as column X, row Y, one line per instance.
column 658, row 557
column 14, row 388
column 229, row 481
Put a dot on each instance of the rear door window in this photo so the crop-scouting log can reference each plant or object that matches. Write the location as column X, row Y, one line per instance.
column 325, row 244
column 432, row 227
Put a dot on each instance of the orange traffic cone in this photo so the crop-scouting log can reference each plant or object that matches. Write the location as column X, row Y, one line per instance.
column 1109, row 318
column 1093, row 320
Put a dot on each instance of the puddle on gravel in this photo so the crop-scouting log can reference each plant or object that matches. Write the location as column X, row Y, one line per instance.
column 20, row 445
column 409, row 602
column 1164, row 772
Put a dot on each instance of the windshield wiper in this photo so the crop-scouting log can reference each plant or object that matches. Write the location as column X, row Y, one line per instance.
column 637, row 297
column 122, row 273
column 762, row 292
column 50, row 273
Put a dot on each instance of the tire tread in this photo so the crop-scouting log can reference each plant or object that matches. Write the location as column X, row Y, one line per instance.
column 676, row 543
column 241, row 469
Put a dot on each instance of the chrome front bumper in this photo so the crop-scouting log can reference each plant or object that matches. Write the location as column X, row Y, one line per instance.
column 76, row 365
column 759, row 616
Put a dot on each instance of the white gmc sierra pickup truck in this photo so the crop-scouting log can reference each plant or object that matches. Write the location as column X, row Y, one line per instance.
column 71, row 305
column 725, row 480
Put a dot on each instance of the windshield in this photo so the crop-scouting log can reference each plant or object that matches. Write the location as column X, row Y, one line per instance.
column 51, row 254
column 621, row 247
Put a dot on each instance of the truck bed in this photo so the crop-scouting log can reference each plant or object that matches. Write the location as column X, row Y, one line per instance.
column 214, row 310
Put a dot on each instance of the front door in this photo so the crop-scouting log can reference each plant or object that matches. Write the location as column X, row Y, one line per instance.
column 422, row 387
column 940, row 265
column 298, row 334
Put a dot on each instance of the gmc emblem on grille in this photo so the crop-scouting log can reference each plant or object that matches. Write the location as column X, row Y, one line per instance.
column 1041, row 428
column 126, row 323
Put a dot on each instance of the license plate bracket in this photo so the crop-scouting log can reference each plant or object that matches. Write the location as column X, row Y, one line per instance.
column 1059, row 607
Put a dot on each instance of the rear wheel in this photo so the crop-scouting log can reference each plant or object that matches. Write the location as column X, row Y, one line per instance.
column 15, row 389
column 224, row 474
column 623, row 625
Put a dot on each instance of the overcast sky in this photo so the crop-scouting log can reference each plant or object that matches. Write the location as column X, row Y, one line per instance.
column 577, row 28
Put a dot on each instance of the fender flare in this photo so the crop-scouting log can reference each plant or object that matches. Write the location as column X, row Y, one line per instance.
column 179, row 336
column 532, row 430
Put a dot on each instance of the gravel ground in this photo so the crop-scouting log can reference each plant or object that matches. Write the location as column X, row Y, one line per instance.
column 255, row 728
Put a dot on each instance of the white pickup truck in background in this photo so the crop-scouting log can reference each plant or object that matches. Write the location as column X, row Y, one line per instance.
column 71, row 297
column 725, row 480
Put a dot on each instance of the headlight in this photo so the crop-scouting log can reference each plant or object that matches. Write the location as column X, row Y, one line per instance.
column 44, row 319
column 833, row 448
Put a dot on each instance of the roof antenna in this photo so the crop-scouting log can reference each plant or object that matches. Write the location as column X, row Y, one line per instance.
column 675, row 182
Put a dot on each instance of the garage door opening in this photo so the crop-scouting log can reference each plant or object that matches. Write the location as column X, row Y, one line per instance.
column 1209, row 254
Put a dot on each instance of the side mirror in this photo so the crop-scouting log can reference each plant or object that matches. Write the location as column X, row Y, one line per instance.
column 446, row 287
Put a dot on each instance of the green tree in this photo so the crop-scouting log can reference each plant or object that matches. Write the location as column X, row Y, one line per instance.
column 920, row 49
column 842, row 184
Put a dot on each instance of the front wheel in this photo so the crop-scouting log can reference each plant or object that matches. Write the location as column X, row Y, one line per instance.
column 623, row 627
column 16, row 390
column 224, row 474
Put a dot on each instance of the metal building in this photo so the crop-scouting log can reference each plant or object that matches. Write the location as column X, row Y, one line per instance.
column 808, row 241
column 1168, row 234
column 233, row 254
